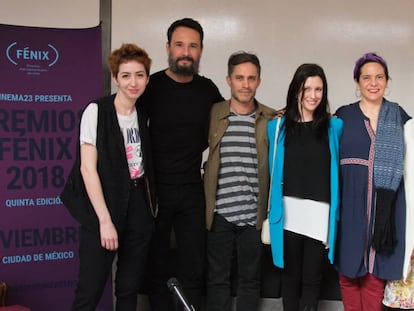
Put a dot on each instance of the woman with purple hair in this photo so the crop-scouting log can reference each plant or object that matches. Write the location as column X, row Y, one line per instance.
column 371, row 231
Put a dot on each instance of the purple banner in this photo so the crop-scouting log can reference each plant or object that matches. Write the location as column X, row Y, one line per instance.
column 47, row 77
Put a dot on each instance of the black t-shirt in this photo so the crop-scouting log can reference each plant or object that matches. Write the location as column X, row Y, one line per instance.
column 178, row 122
column 307, row 165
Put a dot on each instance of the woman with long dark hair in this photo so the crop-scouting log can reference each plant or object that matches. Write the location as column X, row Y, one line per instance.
column 304, row 196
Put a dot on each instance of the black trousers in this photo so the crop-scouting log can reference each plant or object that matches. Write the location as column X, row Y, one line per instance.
column 223, row 241
column 95, row 262
column 180, row 208
column 302, row 274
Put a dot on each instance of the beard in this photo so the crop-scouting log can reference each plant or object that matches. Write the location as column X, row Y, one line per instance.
column 190, row 70
column 243, row 99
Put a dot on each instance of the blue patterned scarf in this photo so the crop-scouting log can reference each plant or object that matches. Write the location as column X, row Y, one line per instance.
column 388, row 172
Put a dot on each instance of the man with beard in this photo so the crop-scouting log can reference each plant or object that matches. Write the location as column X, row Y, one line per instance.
column 178, row 102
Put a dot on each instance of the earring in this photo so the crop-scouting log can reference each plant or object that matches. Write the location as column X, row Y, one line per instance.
column 357, row 93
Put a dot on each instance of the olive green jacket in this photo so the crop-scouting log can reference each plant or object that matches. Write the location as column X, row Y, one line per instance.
column 218, row 125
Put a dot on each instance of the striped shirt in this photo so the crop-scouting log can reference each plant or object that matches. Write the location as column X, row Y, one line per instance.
column 237, row 189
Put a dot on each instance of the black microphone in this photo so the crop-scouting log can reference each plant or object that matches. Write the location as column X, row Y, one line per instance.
column 176, row 289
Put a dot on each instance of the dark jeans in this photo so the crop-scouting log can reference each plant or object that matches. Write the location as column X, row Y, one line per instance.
column 95, row 262
column 302, row 274
column 223, row 239
column 181, row 208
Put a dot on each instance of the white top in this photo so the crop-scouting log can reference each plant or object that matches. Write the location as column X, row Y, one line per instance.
column 307, row 217
column 130, row 131
column 409, row 194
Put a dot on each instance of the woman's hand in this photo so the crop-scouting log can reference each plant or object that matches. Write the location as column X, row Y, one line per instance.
column 89, row 160
column 109, row 236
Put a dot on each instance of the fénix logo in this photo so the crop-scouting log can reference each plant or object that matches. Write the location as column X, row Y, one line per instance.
column 17, row 54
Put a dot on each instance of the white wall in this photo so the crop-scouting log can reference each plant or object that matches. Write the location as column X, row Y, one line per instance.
column 50, row 13
column 284, row 34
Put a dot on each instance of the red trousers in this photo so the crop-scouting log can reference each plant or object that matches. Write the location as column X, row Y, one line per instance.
column 363, row 293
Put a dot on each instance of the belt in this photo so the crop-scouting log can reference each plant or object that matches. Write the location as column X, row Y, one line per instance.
column 137, row 182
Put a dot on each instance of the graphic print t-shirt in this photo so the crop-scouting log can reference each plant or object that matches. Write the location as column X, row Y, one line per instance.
column 130, row 131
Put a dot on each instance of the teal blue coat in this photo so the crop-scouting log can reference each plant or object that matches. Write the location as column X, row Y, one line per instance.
column 276, row 214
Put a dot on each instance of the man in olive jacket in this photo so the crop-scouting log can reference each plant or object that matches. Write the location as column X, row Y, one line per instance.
column 236, row 185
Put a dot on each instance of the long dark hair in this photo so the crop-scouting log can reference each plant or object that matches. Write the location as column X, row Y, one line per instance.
column 296, row 88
